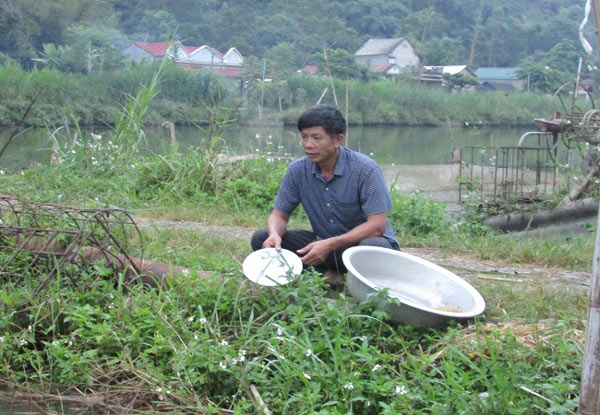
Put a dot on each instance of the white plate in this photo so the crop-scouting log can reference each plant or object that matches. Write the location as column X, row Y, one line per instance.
column 271, row 267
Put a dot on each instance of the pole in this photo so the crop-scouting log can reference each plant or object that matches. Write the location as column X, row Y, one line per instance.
column 590, row 376
column 262, row 91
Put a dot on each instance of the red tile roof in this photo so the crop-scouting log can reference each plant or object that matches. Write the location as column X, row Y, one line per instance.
column 312, row 69
column 159, row 48
column 380, row 68
column 230, row 72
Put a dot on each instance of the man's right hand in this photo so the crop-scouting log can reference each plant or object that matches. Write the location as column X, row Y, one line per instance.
column 273, row 241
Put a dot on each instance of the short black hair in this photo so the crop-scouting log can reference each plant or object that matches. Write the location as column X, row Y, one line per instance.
column 326, row 116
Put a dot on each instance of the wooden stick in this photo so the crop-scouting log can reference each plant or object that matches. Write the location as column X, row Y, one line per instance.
column 330, row 78
column 347, row 126
column 578, row 191
column 258, row 398
column 79, row 399
column 500, row 279
column 590, row 376
column 18, row 127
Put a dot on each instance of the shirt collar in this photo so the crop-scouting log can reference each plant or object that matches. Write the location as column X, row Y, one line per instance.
column 340, row 165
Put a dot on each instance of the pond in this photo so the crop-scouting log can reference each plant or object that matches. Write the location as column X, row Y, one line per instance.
column 399, row 145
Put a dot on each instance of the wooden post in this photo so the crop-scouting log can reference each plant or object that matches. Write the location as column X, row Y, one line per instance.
column 590, row 376
column 330, row 78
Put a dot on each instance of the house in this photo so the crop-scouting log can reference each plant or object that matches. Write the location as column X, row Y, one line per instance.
column 139, row 51
column 499, row 79
column 229, row 64
column 388, row 56
column 386, row 70
column 450, row 69
column 308, row 69
column 433, row 75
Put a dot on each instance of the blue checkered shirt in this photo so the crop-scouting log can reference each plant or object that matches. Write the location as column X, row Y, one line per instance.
column 356, row 191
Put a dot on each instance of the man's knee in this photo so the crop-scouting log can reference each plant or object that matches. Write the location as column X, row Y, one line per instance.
column 377, row 241
column 258, row 238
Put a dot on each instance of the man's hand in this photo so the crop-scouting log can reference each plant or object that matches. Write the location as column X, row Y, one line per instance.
column 273, row 241
column 316, row 252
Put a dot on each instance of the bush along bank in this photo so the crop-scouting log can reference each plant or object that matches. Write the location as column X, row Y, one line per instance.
column 186, row 97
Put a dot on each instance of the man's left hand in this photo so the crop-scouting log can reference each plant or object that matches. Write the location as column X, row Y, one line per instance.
column 315, row 253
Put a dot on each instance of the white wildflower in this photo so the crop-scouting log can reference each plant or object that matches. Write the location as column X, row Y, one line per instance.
column 1, row 172
column 401, row 390
column 60, row 196
column 185, row 271
column 308, row 353
column 202, row 320
column 306, row 376
column 195, row 337
column 279, row 331
column 349, row 386
column 29, row 328
column 190, row 319
column 282, row 357
column 22, row 342
column 376, row 367
column 257, row 150
column 158, row 390
column 55, row 343
column 371, row 153
column 222, row 365
column 224, row 343
column 73, row 152
column 234, row 362
column 1, row 339
column 257, row 135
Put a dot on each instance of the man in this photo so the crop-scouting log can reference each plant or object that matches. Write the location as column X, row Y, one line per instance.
column 343, row 193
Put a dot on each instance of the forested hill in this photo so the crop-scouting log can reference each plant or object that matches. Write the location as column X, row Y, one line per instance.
column 479, row 32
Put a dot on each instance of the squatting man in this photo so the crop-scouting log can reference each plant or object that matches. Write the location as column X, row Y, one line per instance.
column 343, row 193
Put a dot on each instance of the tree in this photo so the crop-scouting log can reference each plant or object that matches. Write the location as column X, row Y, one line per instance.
column 541, row 77
column 342, row 65
column 283, row 58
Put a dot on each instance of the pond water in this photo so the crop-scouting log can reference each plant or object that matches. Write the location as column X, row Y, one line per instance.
column 386, row 144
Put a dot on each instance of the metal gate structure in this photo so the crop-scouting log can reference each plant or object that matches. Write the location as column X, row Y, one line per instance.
column 40, row 239
column 532, row 171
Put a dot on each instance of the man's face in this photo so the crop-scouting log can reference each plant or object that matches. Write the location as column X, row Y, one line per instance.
column 319, row 146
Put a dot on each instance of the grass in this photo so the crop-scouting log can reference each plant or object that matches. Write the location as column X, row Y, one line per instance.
column 201, row 345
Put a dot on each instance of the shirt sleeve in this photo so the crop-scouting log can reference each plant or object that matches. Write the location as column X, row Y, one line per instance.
column 374, row 195
column 288, row 195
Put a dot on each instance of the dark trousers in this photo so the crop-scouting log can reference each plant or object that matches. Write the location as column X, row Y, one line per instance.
column 297, row 239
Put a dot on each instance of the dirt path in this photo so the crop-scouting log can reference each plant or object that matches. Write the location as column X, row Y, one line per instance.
column 464, row 265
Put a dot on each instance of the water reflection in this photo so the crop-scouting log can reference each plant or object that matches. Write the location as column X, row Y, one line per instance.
column 387, row 145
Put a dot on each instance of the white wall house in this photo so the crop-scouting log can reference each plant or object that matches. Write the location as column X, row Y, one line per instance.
column 396, row 53
column 229, row 64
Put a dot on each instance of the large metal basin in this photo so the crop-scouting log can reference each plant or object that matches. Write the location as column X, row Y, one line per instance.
column 419, row 292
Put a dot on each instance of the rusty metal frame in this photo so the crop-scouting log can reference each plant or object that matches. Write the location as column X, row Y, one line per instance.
column 49, row 236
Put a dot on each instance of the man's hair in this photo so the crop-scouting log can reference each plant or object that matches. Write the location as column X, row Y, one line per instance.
column 326, row 116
